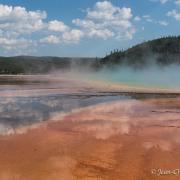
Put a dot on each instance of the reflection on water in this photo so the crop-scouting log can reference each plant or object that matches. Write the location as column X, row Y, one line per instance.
column 102, row 114
column 25, row 100
column 18, row 111
column 102, row 135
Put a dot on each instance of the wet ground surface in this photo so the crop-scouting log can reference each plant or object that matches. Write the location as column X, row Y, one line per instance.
column 130, row 139
column 26, row 100
column 22, row 111
column 82, row 132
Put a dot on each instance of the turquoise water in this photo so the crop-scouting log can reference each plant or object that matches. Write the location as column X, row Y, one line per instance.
column 152, row 77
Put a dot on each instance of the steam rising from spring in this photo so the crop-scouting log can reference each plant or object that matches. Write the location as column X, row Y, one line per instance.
column 153, row 76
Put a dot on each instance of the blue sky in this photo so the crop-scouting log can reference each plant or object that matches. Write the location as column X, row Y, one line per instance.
column 83, row 28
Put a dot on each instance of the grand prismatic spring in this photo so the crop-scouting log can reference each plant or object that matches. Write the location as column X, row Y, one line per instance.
column 90, row 90
column 65, row 128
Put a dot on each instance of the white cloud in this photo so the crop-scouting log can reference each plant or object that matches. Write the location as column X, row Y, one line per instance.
column 106, row 11
column 64, row 34
column 10, row 43
column 148, row 18
column 177, row 2
column 85, row 23
column 101, row 33
column 92, row 29
column 161, row 1
column 105, row 21
column 163, row 23
column 137, row 18
column 15, row 22
column 174, row 14
column 57, row 26
column 18, row 19
column 51, row 39
column 72, row 36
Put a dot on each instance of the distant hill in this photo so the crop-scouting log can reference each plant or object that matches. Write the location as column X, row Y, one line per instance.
column 36, row 65
column 162, row 51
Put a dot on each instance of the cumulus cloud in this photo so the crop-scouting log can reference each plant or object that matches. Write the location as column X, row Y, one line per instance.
column 57, row 26
column 101, row 33
column 92, row 29
column 174, row 14
column 51, row 39
column 106, row 11
column 177, row 2
column 73, row 36
column 16, row 22
column 105, row 20
column 13, row 43
column 18, row 19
